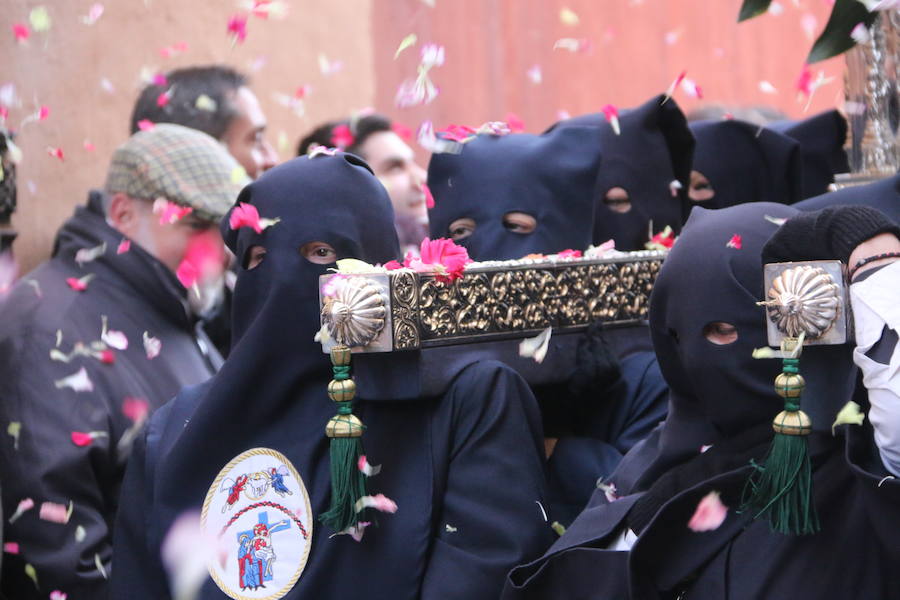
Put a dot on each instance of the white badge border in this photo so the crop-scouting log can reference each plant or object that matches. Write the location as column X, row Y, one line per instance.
column 213, row 492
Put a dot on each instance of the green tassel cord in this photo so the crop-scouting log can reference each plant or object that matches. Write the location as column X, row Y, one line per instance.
column 780, row 489
column 348, row 483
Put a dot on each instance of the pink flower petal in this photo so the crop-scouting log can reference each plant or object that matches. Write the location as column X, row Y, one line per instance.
column 9, row 270
column 56, row 594
column 710, row 513
column 392, row 265
column 115, row 339
column 21, row 33
column 569, row 253
column 379, row 502
column 11, row 547
column 612, row 115
column 43, row 113
column 342, row 137
column 135, row 409
column 735, row 242
column 443, row 252
column 152, row 346
column 54, row 513
column 79, row 284
column 169, row 212
column 367, row 469
column 79, row 438
column 204, row 259
column 124, row 246
column 56, row 153
column 237, row 28
column 78, row 382
column 401, row 130
column 24, row 506
column 245, row 215
column 89, row 146
column 146, row 125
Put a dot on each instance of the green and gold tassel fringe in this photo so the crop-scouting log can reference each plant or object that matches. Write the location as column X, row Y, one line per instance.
column 781, row 488
column 348, row 483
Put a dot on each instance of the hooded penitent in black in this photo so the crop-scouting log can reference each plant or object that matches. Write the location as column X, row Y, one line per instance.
column 549, row 177
column 744, row 162
column 651, row 153
column 822, row 138
column 724, row 398
column 464, row 468
column 883, row 195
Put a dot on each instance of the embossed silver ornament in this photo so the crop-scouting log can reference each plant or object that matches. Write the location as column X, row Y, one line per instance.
column 354, row 312
column 804, row 299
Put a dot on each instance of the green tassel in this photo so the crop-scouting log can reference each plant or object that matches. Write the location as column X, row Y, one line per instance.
column 348, row 484
column 781, row 488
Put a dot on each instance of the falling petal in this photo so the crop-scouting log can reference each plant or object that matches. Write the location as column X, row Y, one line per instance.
column 58, row 595
column 775, row 220
column 429, row 197
column 328, row 67
column 9, row 270
column 558, row 528
column 94, row 13
column 152, row 346
column 450, row 528
column 379, row 502
column 24, row 506
column 850, row 414
column 574, row 45
column 21, row 33
column 735, row 242
column 80, row 533
column 169, row 212
column 691, row 88
column 860, row 33
column 206, row 103
column 13, row 430
column 246, row 215
column 671, row 37
column 32, row 574
column 115, row 339
column 405, row 43
column 107, row 86
column 11, row 547
column 40, row 19
column 80, row 438
column 56, row 152
column 775, row 9
column 611, row 113
column 85, row 255
column 609, row 490
column 100, row 568
column 675, row 84
column 79, row 284
column 710, row 513
column 535, row 75
column 78, row 382
column 568, row 17
column 237, row 28
column 809, row 24
column 767, row 88
column 54, row 513
column 135, row 409
column 146, row 125
column 536, row 347
column 186, row 551
column 355, row 531
column 367, row 469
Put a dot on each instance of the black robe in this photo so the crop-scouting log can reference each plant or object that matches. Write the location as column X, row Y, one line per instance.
column 464, row 468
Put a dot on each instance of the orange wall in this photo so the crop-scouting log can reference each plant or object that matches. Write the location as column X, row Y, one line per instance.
column 63, row 70
column 490, row 44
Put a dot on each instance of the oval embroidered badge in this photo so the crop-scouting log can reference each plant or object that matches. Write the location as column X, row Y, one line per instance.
column 259, row 510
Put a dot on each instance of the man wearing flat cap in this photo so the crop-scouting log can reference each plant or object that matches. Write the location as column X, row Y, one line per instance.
column 94, row 340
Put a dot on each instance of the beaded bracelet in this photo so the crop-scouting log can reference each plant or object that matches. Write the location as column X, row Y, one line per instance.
column 869, row 259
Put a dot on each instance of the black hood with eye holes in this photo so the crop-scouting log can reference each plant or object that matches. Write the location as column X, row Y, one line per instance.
column 654, row 148
column 549, row 177
column 745, row 162
column 719, row 392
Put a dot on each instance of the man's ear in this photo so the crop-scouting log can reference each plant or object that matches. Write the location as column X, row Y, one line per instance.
column 122, row 213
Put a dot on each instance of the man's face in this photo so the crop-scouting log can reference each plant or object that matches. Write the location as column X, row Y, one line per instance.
column 394, row 164
column 245, row 136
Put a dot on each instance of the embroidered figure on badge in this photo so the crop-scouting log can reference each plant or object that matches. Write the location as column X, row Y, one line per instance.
column 234, row 491
column 276, row 476
column 256, row 555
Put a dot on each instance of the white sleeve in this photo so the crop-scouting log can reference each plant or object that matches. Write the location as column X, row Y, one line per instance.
column 876, row 305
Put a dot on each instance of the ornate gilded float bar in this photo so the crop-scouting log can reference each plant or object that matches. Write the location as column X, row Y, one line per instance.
column 406, row 310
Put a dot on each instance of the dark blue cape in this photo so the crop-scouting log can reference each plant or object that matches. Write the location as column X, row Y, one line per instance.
column 721, row 396
column 465, row 468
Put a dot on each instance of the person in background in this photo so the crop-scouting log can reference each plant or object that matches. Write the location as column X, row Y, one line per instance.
column 374, row 138
column 642, row 183
column 822, row 138
column 93, row 341
column 737, row 162
column 218, row 101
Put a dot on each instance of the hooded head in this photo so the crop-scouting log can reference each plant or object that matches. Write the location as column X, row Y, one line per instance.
column 504, row 197
column 737, row 162
column 643, row 181
column 705, row 323
column 821, row 140
column 329, row 208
